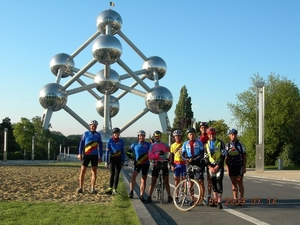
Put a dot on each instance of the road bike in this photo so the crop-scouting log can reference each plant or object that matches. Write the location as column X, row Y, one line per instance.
column 187, row 193
column 159, row 188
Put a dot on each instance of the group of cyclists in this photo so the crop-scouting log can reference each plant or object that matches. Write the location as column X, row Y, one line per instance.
column 205, row 151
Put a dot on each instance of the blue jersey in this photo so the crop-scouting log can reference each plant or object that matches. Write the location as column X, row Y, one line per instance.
column 115, row 148
column 140, row 152
column 198, row 150
column 91, row 144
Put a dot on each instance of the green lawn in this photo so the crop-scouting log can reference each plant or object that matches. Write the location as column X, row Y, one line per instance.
column 119, row 211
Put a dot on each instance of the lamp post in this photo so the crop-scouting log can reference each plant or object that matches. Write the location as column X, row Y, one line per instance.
column 48, row 149
column 193, row 123
column 260, row 111
column 32, row 152
column 5, row 145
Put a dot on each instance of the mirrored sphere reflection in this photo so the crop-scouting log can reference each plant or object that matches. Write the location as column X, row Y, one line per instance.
column 107, row 49
column 53, row 97
column 110, row 17
column 64, row 62
column 113, row 106
column 107, row 85
column 155, row 63
column 159, row 100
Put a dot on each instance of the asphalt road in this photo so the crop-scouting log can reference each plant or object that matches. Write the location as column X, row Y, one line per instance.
column 268, row 201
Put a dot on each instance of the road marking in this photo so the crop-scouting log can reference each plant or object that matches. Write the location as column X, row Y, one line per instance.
column 244, row 216
column 297, row 187
column 259, row 182
column 280, row 185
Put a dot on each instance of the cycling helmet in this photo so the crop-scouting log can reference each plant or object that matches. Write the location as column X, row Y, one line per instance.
column 232, row 131
column 190, row 130
column 141, row 132
column 211, row 130
column 177, row 132
column 93, row 122
column 203, row 124
column 157, row 133
column 116, row 130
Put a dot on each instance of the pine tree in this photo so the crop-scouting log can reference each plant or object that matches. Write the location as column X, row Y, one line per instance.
column 183, row 111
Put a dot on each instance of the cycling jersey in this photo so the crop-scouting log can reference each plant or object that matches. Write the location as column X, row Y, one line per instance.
column 158, row 151
column 197, row 151
column 91, row 144
column 139, row 151
column 214, row 151
column 235, row 151
column 175, row 149
column 115, row 149
column 203, row 138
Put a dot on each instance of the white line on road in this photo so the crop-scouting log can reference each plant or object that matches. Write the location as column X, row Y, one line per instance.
column 244, row 216
column 280, row 185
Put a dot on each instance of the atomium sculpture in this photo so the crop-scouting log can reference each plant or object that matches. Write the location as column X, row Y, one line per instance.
column 107, row 50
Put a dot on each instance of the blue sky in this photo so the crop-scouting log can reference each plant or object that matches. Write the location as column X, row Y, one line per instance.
column 211, row 47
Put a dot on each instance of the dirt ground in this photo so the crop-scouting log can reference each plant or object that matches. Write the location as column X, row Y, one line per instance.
column 53, row 184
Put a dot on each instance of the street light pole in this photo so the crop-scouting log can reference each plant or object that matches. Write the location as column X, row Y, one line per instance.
column 5, row 145
column 32, row 152
column 260, row 90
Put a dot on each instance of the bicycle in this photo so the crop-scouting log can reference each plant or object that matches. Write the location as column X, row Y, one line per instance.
column 159, row 188
column 187, row 193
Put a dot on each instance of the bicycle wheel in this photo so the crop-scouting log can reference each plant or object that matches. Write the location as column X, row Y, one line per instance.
column 186, row 195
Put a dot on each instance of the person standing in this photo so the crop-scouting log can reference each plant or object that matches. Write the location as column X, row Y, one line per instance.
column 193, row 153
column 138, row 152
column 158, row 152
column 178, row 164
column 115, row 158
column 215, row 164
column 90, row 150
column 236, row 161
column 203, row 126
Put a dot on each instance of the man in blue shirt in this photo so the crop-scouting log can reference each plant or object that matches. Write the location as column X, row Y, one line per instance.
column 115, row 158
column 90, row 150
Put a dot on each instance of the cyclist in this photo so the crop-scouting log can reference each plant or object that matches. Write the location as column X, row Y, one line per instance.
column 215, row 164
column 236, row 163
column 204, row 138
column 138, row 152
column 193, row 153
column 177, row 162
column 158, row 152
column 115, row 158
column 90, row 147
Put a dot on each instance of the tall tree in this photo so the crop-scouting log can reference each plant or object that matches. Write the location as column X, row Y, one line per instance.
column 281, row 122
column 183, row 111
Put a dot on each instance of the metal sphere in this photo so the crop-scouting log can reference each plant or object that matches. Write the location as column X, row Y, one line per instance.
column 159, row 99
column 110, row 17
column 155, row 63
column 62, row 61
column 107, row 85
column 107, row 49
column 52, row 96
column 113, row 106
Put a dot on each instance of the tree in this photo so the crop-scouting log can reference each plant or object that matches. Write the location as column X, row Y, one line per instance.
column 281, row 122
column 183, row 111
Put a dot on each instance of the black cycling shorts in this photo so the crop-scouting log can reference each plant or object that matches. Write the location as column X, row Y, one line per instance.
column 143, row 167
column 89, row 158
column 235, row 171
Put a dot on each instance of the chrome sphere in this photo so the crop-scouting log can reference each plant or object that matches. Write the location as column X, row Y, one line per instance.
column 155, row 63
column 106, row 135
column 110, row 17
column 113, row 106
column 107, row 85
column 159, row 99
column 107, row 49
column 62, row 61
column 52, row 96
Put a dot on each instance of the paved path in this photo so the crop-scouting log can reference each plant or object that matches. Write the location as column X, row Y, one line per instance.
column 151, row 217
